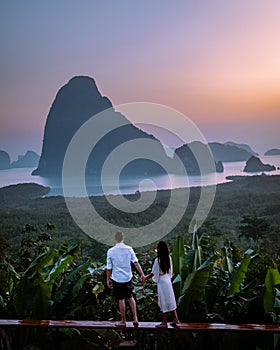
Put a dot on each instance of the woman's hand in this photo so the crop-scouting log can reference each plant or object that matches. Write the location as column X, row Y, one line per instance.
column 144, row 278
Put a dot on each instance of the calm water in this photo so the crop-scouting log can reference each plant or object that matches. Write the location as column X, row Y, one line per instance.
column 131, row 185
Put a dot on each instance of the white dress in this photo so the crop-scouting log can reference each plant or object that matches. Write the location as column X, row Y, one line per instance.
column 166, row 297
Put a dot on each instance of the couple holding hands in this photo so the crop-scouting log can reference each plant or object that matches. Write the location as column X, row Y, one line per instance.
column 119, row 275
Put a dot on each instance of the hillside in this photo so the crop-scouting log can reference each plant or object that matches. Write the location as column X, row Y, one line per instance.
column 25, row 203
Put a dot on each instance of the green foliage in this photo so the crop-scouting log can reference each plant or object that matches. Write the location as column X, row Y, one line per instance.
column 239, row 274
column 4, row 245
column 193, row 283
column 36, row 284
column 272, row 280
column 254, row 227
column 221, row 286
column 46, row 274
column 179, row 264
column 191, row 304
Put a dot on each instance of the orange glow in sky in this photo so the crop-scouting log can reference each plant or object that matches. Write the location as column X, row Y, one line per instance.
column 217, row 62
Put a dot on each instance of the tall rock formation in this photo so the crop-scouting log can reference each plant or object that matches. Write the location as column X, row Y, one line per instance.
column 75, row 103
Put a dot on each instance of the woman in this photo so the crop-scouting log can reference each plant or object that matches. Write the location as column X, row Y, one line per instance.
column 161, row 274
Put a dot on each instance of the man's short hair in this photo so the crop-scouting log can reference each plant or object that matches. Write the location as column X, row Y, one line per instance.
column 119, row 236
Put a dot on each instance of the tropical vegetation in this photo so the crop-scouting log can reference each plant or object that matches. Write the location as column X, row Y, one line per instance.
column 212, row 284
column 225, row 271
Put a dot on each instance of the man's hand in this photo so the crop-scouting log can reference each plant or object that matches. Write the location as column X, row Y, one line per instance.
column 142, row 278
column 109, row 283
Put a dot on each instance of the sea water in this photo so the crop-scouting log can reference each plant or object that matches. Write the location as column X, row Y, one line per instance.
column 130, row 185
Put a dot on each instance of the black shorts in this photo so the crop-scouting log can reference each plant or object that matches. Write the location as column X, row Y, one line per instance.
column 122, row 290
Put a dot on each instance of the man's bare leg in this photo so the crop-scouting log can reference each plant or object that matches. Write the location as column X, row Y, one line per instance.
column 123, row 312
column 132, row 305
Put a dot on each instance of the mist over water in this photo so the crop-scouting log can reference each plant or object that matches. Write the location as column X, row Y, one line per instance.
column 130, row 185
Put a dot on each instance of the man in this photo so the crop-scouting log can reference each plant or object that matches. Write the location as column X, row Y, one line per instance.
column 119, row 275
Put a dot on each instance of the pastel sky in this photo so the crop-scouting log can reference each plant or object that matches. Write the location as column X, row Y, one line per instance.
column 216, row 61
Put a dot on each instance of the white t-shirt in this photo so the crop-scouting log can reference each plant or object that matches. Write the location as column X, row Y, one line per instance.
column 119, row 259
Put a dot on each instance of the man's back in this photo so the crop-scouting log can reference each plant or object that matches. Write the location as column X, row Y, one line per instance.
column 119, row 259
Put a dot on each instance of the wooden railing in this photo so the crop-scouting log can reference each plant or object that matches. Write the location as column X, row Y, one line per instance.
column 130, row 332
column 192, row 327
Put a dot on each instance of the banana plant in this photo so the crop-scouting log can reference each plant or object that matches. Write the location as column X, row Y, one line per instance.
column 179, row 264
column 240, row 273
column 74, row 297
column 193, row 275
column 32, row 294
column 192, row 302
column 271, row 296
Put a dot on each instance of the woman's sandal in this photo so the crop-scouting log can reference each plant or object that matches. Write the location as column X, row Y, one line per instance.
column 135, row 324
column 174, row 324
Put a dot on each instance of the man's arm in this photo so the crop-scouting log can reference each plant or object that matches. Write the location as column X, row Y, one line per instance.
column 109, row 281
column 139, row 269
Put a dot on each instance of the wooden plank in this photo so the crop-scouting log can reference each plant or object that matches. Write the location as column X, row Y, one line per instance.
column 191, row 327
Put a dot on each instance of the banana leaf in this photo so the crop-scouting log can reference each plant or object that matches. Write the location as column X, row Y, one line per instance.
column 179, row 265
column 226, row 260
column 8, row 277
column 72, row 283
column 239, row 275
column 277, row 299
column 33, row 293
column 272, row 279
column 30, row 291
column 178, row 254
column 193, row 293
column 197, row 252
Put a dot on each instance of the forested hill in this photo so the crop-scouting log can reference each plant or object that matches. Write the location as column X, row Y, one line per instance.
column 21, row 194
column 251, row 195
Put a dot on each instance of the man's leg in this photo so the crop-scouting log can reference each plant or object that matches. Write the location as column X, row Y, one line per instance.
column 132, row 305
column 122, row 311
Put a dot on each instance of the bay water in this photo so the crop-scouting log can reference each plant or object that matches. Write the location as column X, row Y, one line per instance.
column 131, row 185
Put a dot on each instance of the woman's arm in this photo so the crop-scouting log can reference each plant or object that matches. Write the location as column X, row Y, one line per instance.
column 145, row 278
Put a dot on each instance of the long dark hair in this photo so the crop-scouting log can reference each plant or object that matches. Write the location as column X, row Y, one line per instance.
column 163, row 256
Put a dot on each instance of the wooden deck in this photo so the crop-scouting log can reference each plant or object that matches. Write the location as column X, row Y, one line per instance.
column 151, row 326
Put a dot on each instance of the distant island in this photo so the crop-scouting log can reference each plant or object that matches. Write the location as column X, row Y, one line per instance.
column 29, row 160
column 228, row 153
column 273, row 152
column 243, row 146
column 254, row 164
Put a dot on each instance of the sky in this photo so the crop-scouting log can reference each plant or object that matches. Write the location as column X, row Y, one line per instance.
column 216, row 62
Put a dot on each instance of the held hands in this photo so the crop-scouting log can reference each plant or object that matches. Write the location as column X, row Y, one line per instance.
column 144, row 278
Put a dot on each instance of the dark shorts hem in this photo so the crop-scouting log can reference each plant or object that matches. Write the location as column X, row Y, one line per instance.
column 122, row 290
